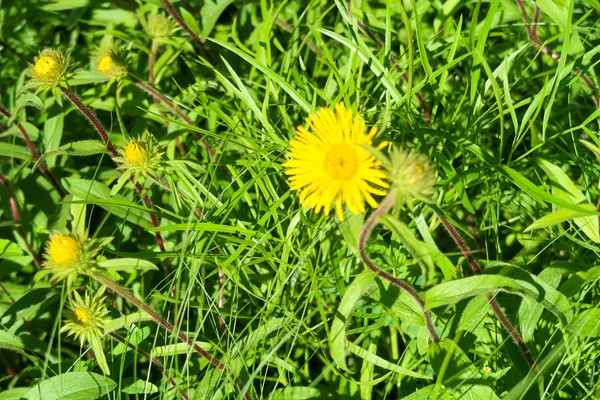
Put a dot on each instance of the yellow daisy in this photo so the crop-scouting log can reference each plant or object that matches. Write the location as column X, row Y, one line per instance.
column 332, row 164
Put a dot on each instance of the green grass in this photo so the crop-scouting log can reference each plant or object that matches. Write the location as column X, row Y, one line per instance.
column 278, row 293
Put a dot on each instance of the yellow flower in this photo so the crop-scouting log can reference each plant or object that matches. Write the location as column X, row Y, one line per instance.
column 332, row 164
column 46, row 67
column 135, row 153
column 85, row 319
column 64, row 251
column 106, row 65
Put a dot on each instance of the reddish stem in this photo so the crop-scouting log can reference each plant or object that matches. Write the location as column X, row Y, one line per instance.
column 124, row 293
column 35, row 155
column 162, row 98
column 114, row 153
column 17, row 219
column 493, row 303
column 362, row 244
column 532, row 32
column 186, row 28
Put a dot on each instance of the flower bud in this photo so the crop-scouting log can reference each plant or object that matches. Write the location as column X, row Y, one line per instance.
column 46, row 68
column 64, row 251
column 109, row 63
column 158, row 26
column 135, row 153
column 412, row 174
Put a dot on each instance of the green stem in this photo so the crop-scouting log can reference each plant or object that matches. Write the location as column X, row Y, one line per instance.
column 124, row 293
column 154, row 360
column 371, row 223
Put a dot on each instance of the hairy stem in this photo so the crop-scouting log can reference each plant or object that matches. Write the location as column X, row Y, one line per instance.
column 114, row 153
column 35, row 154
column 493, row 303
column 158, row 96
column 124, row 293
column 17, row 218
column 154, row 360
column 186, row 28
column 364, row 235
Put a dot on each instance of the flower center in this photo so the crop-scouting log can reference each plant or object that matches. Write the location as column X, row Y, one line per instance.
column 82, row 316
column 45, row 66
column 135, row 153
column 107, row 65
column 341, row 162
column 64, row 250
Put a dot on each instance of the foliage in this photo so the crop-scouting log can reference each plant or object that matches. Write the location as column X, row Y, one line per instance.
column 220, row 284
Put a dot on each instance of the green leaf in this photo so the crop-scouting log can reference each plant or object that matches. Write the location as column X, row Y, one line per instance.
column 382, row 363
column 178, row 348
column 573, row 285
column 14, row 394
column 401, row 304
column 300, row 393
column 92, row 191
column 87, row 78
column 96, row 345
column 9, row 249
column 337, row 333
column 586, row 324
column 558, row 216
column 72, row 386
column 565, row 189
column 458, row 373
column 513, row 280
column 10, row 341
column 275, row 77
column 138, row 387
column 126, row 320
column 430, row 392
column 62, row 5
column 190, row 21
column 203, row 226
column 210, row 13
column 15, row 151
column 53, row 131
column 82, row 148
column 128, row 264
column 540, row 194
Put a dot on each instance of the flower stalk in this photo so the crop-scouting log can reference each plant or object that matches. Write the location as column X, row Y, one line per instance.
column 186, row 28
column 124, row 293
column 49, row 175
column 17, row 219
column 371, row 223
column 159, row 97
column 493, row 303
column 114, row 154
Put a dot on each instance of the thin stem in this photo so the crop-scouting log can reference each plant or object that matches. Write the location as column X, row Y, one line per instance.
column 154, row 360
column 35, row 154
column 17, row 219
column 532, row 32
column 114, row 153
column 493, row 303
column 124, row 293
column 364, row 235
column 163, row 99
column 92, row 118
column 152, row 61
column 186, row 28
